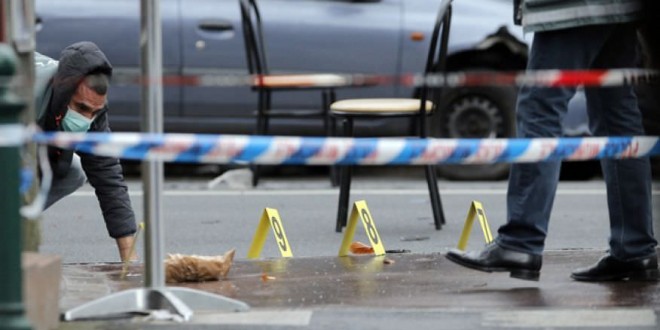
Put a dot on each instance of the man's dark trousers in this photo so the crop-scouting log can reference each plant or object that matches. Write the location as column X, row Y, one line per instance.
column 612, row 111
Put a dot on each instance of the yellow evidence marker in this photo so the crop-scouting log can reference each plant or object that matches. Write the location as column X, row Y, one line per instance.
column 269, row 218
column 476, row 209
column 361, row 210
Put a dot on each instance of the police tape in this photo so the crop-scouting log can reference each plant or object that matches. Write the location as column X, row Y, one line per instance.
column 12, row 135
column 289, row 150
column 542, row 78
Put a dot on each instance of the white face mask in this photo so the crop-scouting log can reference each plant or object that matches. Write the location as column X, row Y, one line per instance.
column 75, row 122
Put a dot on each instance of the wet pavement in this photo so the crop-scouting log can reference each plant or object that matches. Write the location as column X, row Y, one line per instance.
column 409, row 289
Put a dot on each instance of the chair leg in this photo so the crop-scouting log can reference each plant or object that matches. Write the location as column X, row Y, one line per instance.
column 334, row 169
column 434, row 194
column 268, row 105
column 344, row 196
column 255, row 175
column 330, row 127
column 262, row 128
column 345, row 173
column 325, row 105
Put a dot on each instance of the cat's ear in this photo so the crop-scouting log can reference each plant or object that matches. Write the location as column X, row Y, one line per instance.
column 229, row 256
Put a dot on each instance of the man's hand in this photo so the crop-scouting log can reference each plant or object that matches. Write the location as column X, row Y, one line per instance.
column 126, row 248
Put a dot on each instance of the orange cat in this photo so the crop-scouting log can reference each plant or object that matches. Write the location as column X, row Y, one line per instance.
column 192, row 268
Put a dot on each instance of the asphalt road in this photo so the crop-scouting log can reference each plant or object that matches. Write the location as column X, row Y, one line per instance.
column 209, row 219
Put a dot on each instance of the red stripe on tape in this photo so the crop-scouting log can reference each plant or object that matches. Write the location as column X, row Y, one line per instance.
column 579, row 77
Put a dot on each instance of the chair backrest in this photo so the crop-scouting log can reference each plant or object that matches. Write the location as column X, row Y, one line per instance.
column 436, row 60
column 253, row 35
column 437, row 55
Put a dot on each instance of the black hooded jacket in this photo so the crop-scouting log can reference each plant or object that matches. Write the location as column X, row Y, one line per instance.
column 103, row 173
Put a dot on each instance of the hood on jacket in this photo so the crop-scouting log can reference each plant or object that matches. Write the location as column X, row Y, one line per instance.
column 75, row 63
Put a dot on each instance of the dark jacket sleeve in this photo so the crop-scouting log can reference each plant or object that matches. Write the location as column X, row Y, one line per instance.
column 106, row 176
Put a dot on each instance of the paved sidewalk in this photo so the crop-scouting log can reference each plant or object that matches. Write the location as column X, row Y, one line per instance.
column 414, row 291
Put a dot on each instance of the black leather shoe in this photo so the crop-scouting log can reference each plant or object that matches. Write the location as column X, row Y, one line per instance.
column 610, row 269
column 494, row 258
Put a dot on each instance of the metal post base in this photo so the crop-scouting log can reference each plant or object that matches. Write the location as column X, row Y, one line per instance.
column 181, row 301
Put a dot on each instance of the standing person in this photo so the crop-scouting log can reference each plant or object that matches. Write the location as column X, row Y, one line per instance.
column 649, row 95
column 571, row 35
column 72, row 97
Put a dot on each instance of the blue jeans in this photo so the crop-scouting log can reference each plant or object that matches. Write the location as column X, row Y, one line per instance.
column 66, row 185
column 612, row 111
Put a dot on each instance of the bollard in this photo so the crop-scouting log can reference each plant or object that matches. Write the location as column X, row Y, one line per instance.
column 12, row 311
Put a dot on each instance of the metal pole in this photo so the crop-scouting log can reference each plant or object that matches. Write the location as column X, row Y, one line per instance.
column 155, row 295
column 152, row 122
column 12, row 311
column 24, row 44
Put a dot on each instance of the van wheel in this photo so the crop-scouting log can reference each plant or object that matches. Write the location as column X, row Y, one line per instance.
column 479, row 112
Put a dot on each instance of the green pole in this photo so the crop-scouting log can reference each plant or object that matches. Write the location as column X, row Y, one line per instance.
column 12, row 311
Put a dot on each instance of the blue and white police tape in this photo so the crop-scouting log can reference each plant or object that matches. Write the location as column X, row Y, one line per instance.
column 275, row 150
column 12, row 135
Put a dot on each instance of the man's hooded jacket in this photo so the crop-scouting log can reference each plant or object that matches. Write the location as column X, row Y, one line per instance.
column 53, row 94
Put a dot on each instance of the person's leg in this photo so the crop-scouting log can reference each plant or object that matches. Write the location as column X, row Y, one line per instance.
column 614, row 112
column 540, row 112
column 63, row 186
column 519, row 245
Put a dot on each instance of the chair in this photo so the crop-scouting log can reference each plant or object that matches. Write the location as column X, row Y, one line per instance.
column 346, row 111
column 265, row 83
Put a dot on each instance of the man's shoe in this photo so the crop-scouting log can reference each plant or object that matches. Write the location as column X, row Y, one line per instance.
column 494, row 258
column 610, row 269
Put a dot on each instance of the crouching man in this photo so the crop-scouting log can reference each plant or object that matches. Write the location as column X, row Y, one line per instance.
column 73, row 98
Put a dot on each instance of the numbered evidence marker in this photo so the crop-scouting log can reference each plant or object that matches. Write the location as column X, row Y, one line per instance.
column 269, row 218
column 360, row 210
column 476, row 209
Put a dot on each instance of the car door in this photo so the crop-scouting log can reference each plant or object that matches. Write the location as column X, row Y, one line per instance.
column 302, row 36
column 114, row 25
